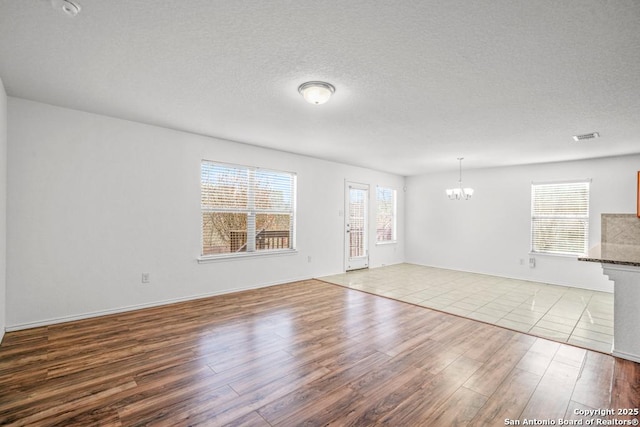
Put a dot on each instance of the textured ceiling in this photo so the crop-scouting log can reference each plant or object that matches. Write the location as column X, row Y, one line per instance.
column 418, row 83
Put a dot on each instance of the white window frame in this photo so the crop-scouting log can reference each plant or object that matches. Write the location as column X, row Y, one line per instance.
column 394, row 211
column 251, row 211
column 560, row 247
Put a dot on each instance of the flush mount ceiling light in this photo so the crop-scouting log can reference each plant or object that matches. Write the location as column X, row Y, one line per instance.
column 316, row 92
column 460, row 193
column 67, row 6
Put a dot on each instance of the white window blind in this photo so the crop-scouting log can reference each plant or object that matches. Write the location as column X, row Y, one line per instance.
column 246, row 209
column 385, row 215
column 560, row 218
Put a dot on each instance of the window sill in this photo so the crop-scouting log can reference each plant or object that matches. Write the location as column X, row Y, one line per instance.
column 554, row 255
column 244, row 255
column 390, row 242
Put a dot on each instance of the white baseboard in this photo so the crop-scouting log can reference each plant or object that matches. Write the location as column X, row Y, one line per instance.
column 525, row 279
column 89, row 315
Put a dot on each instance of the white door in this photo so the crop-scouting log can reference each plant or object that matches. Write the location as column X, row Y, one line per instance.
column 356, row 226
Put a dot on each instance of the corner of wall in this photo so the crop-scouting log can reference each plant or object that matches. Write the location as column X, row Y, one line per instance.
column 3, row 209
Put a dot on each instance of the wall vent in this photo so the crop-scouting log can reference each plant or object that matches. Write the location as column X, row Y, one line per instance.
column 586, row 136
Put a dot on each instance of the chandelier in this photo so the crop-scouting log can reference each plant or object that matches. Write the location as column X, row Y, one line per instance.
column 460, row 193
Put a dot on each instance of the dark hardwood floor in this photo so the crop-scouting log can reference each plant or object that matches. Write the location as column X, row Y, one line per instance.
column 306, row 353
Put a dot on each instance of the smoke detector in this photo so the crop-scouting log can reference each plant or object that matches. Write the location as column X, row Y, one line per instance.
column 586, row 136
column 67, row 6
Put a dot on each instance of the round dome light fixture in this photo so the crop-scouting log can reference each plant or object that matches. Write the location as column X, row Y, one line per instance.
column 316, row 92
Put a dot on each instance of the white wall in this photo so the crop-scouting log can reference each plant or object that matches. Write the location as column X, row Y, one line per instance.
column 3, row 207
column 94, row 201
column 491, row 232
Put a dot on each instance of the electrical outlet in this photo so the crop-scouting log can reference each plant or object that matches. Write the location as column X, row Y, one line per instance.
column 532, row 262
column 309, row 258
column 145, row 278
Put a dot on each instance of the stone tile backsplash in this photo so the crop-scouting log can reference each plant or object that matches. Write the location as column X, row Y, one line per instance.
column 620, row 229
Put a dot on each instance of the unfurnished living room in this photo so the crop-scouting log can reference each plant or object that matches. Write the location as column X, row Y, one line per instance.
column 286, row 213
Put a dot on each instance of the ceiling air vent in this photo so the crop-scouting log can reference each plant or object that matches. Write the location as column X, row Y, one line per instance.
column 586, row 136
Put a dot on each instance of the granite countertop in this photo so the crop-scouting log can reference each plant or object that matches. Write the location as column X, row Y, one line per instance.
column 612, row 253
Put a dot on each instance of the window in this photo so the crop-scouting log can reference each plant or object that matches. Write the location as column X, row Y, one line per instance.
column 385, row 215
column 560, row 218
column 246, row 209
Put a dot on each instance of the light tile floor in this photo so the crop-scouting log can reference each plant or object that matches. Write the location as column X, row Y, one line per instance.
column 576, row 316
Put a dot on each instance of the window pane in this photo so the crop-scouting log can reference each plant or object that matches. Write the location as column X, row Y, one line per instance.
column 561, row 236
column 273, row 191
column 561, row 199
column 386, row 212
column 223, row 187
column 223, row 232
column 357, row 221
column 273, row 231
column 560, row 218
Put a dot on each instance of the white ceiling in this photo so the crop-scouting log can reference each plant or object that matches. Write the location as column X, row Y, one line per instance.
column 418, row 83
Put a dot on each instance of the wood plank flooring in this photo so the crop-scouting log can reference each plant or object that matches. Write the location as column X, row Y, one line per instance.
column 300, row 354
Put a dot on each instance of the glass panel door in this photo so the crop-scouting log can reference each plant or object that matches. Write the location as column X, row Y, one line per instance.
column 356, row 226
